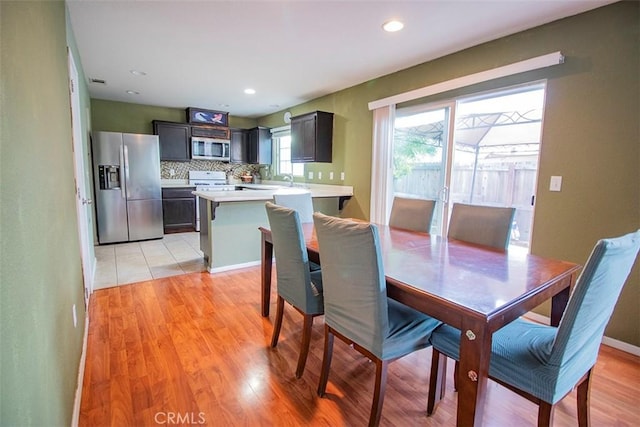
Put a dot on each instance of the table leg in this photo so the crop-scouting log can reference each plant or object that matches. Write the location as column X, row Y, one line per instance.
column 475, row 353
column 560, row 300
column 265, row 279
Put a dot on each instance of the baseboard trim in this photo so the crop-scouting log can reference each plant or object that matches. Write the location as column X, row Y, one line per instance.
column 611, row 342
column 83, row 359
column 232, row 267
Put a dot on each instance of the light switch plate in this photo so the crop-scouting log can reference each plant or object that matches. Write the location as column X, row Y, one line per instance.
column 319, row 175
column 310, row 174
column 342, row 176
column 330, row 175
column 556, row 183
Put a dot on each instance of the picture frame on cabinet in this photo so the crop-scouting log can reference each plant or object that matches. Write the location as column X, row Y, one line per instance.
column 210, row 117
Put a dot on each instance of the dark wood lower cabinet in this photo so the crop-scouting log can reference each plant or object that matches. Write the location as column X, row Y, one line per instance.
column 178, row 210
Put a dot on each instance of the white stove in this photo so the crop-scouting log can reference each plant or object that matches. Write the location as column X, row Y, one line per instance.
column 208, row 181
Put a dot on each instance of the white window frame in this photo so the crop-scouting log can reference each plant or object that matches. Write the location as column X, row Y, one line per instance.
column 296, row 168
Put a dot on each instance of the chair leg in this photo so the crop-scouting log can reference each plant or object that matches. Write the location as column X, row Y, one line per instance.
column 278, row 322
column 456, row 371
column 545, row 414
column 326, row 360
column 584, row 416
column 378, row 393
column 304, row 347
column 437, row 380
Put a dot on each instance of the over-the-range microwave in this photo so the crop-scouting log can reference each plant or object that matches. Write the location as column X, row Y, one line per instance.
column 210, row 149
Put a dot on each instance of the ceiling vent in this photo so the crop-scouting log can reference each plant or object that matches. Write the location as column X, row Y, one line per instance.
column 98, row 81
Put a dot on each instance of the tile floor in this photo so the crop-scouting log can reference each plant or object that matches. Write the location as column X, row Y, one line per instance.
column 123, row 263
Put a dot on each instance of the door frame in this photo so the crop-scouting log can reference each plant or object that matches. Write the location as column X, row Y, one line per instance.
column 83, row 199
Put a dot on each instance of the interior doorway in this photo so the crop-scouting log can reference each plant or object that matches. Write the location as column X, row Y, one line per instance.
column 83, row 197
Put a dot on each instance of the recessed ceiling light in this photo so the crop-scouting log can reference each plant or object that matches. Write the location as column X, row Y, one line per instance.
column 392, row 26
column 99, row 81
column 133, row 92
column 137, row 73
column 249, row 91
column 224, row 105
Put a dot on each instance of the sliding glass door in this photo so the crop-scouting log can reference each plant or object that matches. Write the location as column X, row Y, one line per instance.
column 420, row 156
column 480, row 150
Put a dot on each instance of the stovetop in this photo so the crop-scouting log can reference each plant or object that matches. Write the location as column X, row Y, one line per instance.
column 210, row 181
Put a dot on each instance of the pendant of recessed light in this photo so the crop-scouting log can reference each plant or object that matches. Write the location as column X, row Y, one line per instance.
column 392, row 26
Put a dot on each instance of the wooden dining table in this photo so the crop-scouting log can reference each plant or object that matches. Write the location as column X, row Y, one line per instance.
column 473, row 288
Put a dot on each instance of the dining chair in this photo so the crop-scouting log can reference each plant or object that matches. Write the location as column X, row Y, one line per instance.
column 356, row 306
column 412, row 214
column 544, row 363
column 301, row 202
column 481, row 225
column 297, row 285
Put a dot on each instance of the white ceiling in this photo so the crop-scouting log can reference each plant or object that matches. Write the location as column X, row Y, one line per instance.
column 205, row 53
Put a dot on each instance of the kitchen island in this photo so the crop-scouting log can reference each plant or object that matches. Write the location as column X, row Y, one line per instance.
column 229, row 220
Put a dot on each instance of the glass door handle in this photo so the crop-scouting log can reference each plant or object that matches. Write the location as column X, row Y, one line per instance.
column 444, row 194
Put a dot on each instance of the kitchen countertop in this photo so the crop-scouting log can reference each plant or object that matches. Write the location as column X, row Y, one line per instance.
column 252, row 192
column 174, row 183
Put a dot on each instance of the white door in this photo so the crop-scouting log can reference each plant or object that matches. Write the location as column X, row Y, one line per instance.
column 83, row 199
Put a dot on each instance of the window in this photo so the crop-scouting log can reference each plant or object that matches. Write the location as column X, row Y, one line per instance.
column 282, row 146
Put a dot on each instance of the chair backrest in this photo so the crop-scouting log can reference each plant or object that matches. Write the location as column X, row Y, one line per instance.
column 412, row 214
column 292, row 261
column 355, row 295
column 481, row 225
column 301, row 202
column 592, row 302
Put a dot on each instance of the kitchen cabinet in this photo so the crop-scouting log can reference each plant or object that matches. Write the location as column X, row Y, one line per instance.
column 252, row 146
column 312, row 137
column 259, row 146
column 239, row 141
column 206, row 131
column 178, row 209
column 175, row 140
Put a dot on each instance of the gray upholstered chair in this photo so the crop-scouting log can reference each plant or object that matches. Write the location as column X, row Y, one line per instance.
column 301, row 202
column 544, row 363
column 481, row 225
column 356, row 306
column 412, row 214
column 296, row 283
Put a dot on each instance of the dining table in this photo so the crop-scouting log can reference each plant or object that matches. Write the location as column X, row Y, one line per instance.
column 474, row 288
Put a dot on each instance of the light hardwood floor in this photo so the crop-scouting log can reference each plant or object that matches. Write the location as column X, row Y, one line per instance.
column 194, row 350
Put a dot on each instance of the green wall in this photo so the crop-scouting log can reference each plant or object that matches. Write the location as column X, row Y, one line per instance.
column 40, row 273
column 591, row 133
column 116, row 116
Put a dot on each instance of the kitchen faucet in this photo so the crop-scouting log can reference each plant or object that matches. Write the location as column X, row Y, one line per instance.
column 288, row 177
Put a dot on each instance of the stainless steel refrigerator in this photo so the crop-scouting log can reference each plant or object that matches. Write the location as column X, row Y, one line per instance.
column 126, row 172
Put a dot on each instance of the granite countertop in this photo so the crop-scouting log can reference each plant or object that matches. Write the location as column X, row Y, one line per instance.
column 253, row 192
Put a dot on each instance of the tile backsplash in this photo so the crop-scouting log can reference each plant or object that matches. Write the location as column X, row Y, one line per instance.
column 181, row 169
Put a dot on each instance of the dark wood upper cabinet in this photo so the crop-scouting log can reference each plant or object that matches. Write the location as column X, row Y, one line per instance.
column 312, row 137
column 259, row 145
column 205, row 131
column 239, row 141
column 175, row 140
column 252, row 146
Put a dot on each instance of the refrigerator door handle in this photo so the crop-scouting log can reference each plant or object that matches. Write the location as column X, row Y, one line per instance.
column 122, row 173
column 126, row 170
